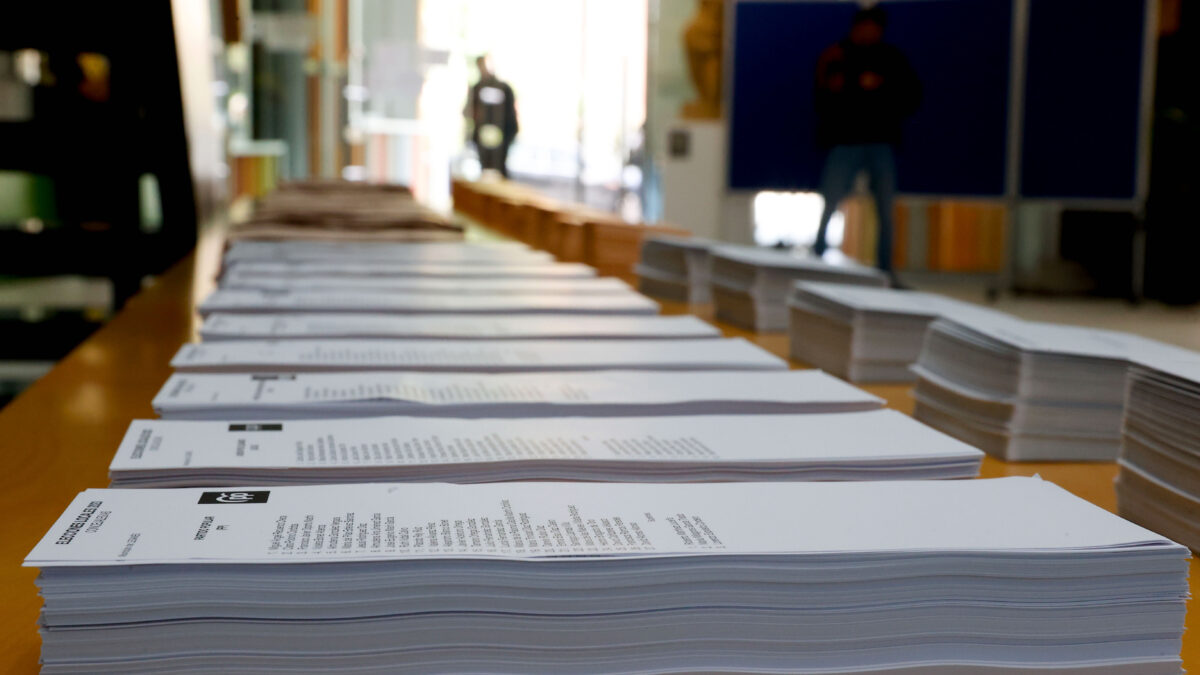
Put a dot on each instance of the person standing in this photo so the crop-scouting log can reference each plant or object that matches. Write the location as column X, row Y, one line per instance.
column 492, row 109
column 865, row 88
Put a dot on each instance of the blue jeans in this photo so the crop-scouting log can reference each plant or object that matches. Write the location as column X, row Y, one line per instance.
column 841, row 168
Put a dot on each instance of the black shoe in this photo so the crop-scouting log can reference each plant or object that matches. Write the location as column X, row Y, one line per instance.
column 895, row 282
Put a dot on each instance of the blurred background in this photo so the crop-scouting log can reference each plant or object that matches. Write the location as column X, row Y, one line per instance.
column 1054, row 151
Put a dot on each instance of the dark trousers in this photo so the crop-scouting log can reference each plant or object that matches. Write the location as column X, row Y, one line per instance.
column 494, row 158
column 842, row 166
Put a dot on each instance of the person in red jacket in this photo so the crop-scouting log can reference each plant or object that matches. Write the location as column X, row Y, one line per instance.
column 865, row 88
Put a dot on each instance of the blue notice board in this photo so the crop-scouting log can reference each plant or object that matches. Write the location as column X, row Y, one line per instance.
column 1082, row 106
column 955, row 144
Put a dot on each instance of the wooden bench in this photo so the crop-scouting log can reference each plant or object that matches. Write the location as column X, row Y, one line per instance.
column 614, row 247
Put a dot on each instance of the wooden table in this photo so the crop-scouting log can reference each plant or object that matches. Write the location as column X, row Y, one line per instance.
column 59, row 436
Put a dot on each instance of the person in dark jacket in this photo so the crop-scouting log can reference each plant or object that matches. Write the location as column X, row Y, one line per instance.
column 865, row 88
column 492, row 109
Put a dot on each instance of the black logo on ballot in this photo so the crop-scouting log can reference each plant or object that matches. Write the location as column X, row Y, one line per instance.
column 235, row 497
column 256, row 427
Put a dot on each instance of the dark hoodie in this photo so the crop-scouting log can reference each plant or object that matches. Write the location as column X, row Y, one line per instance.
column 848, row 113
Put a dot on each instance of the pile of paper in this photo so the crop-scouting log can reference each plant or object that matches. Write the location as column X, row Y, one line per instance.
column 289, row 356
column 343, row 212
column 451, row 270
column 870, row 445
column 866, row 334
column 263, row 301
column 416, row 227
column 1012, row 575
column 751, row 286
column 499, row 252
column 594, row 394
column 433, row 286
column 1159, row 483
column 1027, row 391
column 675, row 268
column 452, row 326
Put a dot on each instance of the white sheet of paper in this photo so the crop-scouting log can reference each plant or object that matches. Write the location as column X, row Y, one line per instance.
column 893, row 301
column 221, row 326
column 1183, row 366
column 769, row 258
column 630, row 393
column 416, row 269
column 310, row 251
column 473, row 355
column 1060, row 339
column 870, row 437
column 561, row 521
column 257, row 301
column 423, row 285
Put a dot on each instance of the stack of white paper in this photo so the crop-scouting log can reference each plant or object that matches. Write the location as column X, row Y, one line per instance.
column 340, row 213
column 429, row 285
column 447, row 253
column 866, row 334
column 261, row 301
column 304, row 270
column 1159, row 483
column 870, row 445
column 452, row 326
column 751, row 286
column 270, row 356
column 425, row 227
column 594, row 394
column 341, row 251
column 1001, row 576
column 675, row 268
column 1027, row 391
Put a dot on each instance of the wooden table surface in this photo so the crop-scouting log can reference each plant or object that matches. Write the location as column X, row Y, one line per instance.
column 58, row 437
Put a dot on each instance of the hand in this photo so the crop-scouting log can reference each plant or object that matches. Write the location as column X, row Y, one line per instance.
column 870, row 81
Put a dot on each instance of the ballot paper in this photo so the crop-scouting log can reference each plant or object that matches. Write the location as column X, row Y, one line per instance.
column 341, row 214
column 1159, row 481
column 430, row 286
column 597, row 393
column 1007, row 575
column 290, row 356
column 302, row 270
column 313, row 251
column 675, row 268
column 452, row 326
column 423, row 231
column 1028, row 391
column 404, row 253
column 866, row 334
column 869, row 445
column 261, row 301
column 751, row 286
